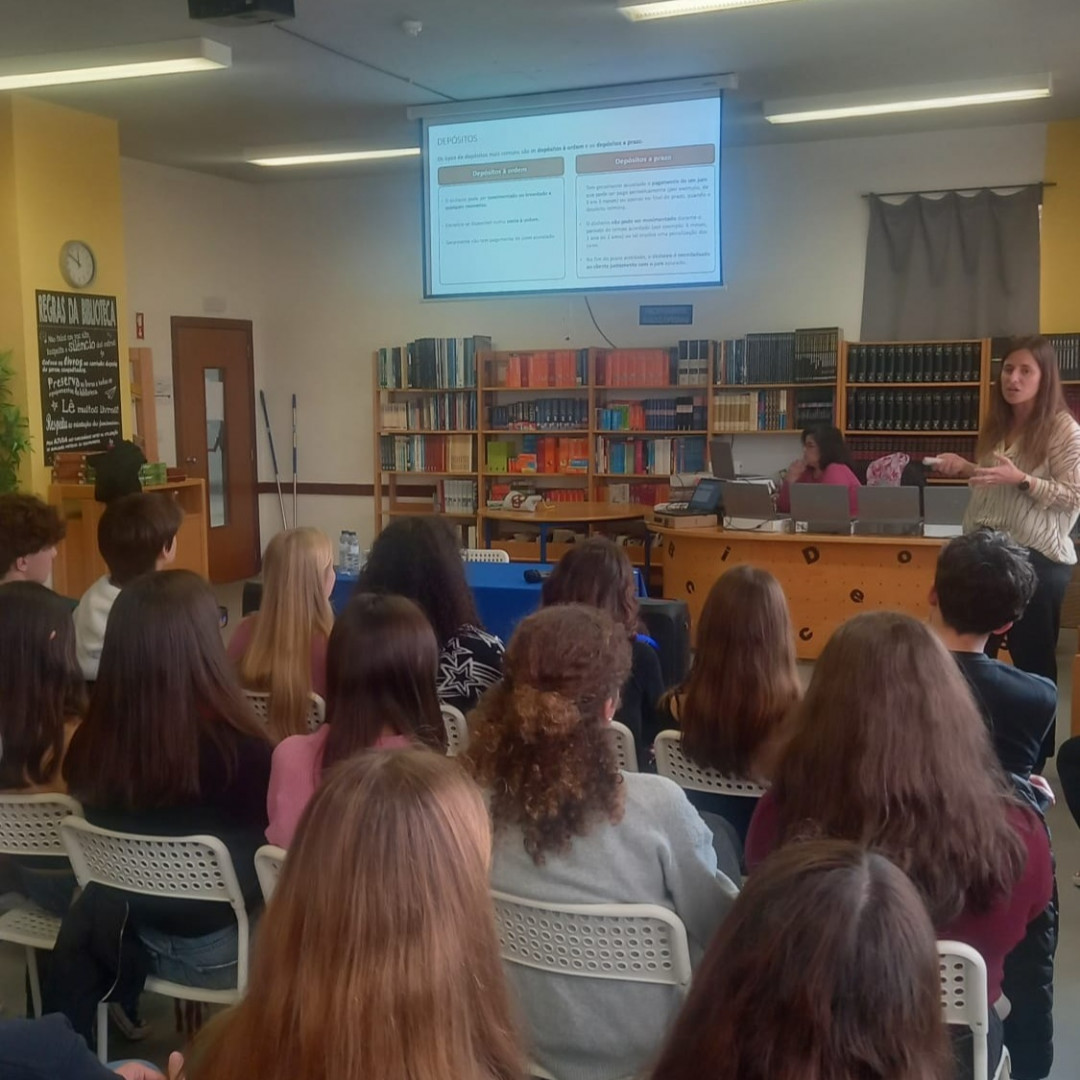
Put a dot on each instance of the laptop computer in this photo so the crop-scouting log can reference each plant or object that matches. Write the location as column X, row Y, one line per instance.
column 748, row 502
column 723, row 463
column 887, row 511
column 944, row 506
column 704, row 500
column 821, row 508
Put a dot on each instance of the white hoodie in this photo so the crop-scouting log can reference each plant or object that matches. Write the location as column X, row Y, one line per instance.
column 90, row 617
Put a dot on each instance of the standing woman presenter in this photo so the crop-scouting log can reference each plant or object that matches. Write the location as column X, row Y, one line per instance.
column 1027, row 484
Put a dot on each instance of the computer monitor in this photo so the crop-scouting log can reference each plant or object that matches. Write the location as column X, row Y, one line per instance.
column 887, row 511
column 723, row 463
column 749, row 502
column 944, row 506
column 706, row 496
column 824, row 508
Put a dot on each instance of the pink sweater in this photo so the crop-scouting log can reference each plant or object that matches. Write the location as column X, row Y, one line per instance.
column 241, row 639
column 833, row 474
column 295, row 773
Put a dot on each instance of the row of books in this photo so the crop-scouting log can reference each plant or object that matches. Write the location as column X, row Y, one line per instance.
column 655, row 457
column 917, row 362
column 644, row 493
column 638, row 367
column 693, row 361
column 434, row 412
column 427, row 453
column 539, row 454
column 754, row 410
column 654, row 414
column 456, row 496
column 782, row 357
column 913, row 410
column 431, row 363
column 1067, row 347
column 498, row 491
column 863, row 449
column 814, row 407
column 546, row 367
column 547, row 412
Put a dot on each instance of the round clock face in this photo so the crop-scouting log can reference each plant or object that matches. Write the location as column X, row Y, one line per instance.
column 77, row 264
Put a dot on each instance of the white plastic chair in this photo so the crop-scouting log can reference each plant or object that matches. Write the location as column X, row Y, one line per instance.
column 269, row 860
column 625, row 747
column 30, row 826
column 260, row 703
column 172, row 867
column 964, row 1002
column 457, row 730
column 675, row 765
column 495, row 555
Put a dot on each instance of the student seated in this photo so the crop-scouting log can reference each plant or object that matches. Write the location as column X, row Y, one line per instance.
column 380, row 668
column 890, row 750
column 982, row 584
column 44, row 699
column 377, row 953
column 419, row 558
column 136, row 534
column 29, row 532
column 571, row 828
column 826, row 968
column 598, row 572
column 742, row 684
column 282, row 647
column 171, row 747
column 825, row 460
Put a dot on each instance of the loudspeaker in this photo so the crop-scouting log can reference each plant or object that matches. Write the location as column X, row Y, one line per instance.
column 667, row 622
column 239, row 12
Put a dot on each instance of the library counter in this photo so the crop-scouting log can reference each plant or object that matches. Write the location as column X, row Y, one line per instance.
column 827, row 579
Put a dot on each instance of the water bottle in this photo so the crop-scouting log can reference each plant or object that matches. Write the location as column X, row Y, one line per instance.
column 343, row 552
column 354, row 554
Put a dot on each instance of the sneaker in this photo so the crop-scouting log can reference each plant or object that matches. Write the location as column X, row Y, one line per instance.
column 133, row 1029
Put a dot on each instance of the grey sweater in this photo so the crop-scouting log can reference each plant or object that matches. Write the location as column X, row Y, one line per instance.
column 659, row 853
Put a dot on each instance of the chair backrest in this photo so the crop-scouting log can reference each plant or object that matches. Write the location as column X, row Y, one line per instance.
column 625, row 747
column 268, row 862
column 675, row 765
column 485, row 555
column 457, row 730
column 259, row 700
column 626, row 942
column 964, row 998
column 30, row 824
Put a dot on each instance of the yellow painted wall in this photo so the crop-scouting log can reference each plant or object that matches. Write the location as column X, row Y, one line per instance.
column 59, row 181
column 1060, row 289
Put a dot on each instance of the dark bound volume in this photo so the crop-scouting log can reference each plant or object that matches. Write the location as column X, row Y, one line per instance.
column 889, row 374
column 936, row 411
column 918, row 373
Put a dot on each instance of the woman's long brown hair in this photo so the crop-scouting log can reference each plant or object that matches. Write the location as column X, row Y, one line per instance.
column 826, row 969
column 596, row 572
column 1038, row 430
column 540, row 739
column 890, row 751
column 377, row 956
column 164, row 685
column 743, row 681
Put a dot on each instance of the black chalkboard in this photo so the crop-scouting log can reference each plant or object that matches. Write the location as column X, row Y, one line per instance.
column 80, row 372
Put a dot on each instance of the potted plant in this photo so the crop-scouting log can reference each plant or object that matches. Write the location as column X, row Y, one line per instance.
column 14, row 429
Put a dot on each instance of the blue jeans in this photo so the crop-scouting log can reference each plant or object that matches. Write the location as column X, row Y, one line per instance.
column 208, row 962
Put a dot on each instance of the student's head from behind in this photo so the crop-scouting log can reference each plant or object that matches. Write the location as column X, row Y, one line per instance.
column 298, row 568
column 540, row 738
column 890, row 744
column 137, row 534
column 378, row 955
column 164, row 684
column 596, row 572
column 983, row 583
column 381, row 667
column 41, row 685
column 29, row 532
column 743, row 681
column 823, row 445
column 420, row 557
column 826, row 968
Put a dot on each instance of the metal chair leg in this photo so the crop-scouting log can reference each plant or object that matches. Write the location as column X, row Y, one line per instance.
column 35, row 982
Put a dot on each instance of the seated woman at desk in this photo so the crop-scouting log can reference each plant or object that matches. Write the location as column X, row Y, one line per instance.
column 825, row 460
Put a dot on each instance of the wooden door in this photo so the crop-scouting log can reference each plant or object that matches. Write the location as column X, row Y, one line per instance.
column 214, row 401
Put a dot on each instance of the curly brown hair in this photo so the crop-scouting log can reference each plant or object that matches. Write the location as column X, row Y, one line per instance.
column 540, row 741
column 596, row 572
column 27, row 526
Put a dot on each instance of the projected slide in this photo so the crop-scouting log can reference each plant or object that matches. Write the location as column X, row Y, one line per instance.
column 596, row 199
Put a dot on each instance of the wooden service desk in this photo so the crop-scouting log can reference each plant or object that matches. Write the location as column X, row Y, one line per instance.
column 826, row 579
column 564, row 515
column 79, row 563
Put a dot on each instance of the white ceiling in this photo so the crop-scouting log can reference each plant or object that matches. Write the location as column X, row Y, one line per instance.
column 343, row 71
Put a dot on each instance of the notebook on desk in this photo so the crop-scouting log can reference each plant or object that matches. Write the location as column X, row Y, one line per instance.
column 821, row 508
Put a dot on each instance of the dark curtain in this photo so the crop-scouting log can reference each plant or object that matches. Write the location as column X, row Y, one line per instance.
column 952, row 266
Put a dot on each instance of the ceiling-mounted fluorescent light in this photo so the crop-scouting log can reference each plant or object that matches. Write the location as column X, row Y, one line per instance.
column 909, row 100
column 671, row 9
column 122, row 62
column 334, row 158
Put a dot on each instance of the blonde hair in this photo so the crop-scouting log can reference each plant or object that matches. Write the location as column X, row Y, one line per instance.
column 377, row 955
column 294, row 610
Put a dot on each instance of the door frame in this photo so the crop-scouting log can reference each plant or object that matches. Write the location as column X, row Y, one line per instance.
column 181, row 322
